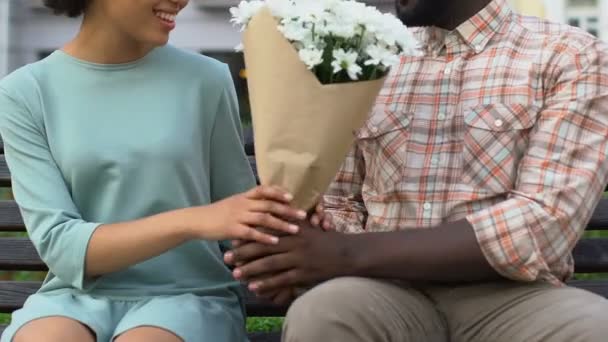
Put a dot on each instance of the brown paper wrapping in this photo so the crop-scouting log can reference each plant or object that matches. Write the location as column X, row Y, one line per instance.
column 302, row 128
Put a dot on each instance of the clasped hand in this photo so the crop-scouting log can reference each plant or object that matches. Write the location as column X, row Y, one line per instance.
column 316, row 253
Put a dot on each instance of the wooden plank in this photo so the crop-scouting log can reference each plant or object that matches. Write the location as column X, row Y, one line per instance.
column 591, row 256
column 13, row 294
column 5, row 175
column 18, row 254
column 260, row 308
column 248, row 141
column 599, row 220
column 10, row 217
column 265, row 337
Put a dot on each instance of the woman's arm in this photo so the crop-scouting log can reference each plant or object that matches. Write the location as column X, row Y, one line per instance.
column 75, row 249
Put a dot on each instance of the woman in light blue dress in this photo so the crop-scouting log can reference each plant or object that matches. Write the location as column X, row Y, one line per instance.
column 128, row 167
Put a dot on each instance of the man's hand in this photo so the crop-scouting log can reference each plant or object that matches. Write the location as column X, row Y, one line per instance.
column 307, row 258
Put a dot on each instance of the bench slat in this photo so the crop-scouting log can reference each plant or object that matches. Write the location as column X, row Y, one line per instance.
column 11, row 220
column 13, row 295
column 599, row 220
column 591, row 256
column 10, row 217
column 265, row 337
column 5, row 176
column 18, row 254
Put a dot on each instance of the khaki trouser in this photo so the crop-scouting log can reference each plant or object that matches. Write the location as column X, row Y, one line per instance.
column 360, row 309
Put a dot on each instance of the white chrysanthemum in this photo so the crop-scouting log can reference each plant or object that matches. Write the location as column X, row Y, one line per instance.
column 242, row 14
column 380, row 55
column 294, row 30
column 280, row 8
column 347, row 61
column 311, row 56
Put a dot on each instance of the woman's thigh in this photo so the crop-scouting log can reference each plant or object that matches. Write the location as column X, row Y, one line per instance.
column 47, row 315
column 187, row 317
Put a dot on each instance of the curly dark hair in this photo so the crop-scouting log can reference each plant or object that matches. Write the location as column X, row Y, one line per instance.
column 71, row 8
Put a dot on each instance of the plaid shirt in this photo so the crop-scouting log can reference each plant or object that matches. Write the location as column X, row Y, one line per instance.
column 504, row 122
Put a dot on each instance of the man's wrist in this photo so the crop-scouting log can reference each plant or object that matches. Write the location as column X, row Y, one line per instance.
column 353, row 254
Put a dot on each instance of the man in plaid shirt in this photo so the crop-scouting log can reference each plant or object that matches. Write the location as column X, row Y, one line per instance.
column 472, row 180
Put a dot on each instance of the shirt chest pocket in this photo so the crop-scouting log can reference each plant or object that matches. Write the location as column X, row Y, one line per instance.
column 496, row 138
column 383, row 141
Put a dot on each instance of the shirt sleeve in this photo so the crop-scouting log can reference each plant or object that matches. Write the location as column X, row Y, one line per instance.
column 53, row 222
column 560, row 178
column 230, row 170
column 344, row 200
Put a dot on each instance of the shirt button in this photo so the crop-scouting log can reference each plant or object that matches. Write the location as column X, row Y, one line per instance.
column 374, row 129
column 498, row 123
column 447, row 70
column 427, row 206
column 435, row 160
column 478, row 48
column 441, row 116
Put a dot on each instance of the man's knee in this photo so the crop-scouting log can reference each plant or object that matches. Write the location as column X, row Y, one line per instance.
column 360, row 309
column 560, row 314
column 585, row 320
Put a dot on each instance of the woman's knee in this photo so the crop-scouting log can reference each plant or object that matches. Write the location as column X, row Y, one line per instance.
column 148, row 334
column 54, row 329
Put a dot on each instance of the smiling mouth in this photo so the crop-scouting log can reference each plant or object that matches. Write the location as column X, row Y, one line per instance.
column 166, row 17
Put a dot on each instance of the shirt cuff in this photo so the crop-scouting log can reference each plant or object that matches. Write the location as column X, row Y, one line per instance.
column 505, row 240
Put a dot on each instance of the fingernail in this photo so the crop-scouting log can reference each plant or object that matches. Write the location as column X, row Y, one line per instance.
column 293, row 228
column 302, row 214
column 254, row 286
column 288, row 197
column 228, row 256
column 237, row 273
column 274, row 240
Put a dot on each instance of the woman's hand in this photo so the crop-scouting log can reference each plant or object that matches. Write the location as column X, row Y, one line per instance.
column 321, row 219
column 240, row 216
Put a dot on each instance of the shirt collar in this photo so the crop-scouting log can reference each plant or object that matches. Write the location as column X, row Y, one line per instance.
column 483, row 26
column 476, row 32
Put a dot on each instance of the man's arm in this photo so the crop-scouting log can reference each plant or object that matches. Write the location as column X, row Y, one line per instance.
column 444, row 254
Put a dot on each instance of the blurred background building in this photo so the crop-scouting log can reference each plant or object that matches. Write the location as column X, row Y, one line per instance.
column 591, row 15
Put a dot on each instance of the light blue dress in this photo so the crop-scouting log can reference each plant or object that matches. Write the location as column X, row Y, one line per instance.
column 90, row 144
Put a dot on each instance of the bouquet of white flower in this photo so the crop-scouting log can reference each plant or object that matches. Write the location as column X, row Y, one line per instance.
column 341, row 41
column 314, row 69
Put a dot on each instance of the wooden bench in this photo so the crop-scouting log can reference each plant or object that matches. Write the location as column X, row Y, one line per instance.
column 18, row 254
